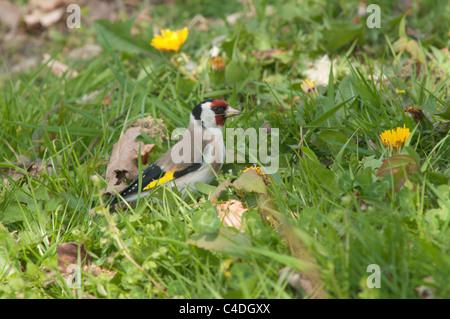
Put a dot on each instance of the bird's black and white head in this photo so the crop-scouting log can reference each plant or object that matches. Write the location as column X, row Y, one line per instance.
column 213, row 113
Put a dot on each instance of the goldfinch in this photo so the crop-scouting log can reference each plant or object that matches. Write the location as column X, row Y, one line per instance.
column 197, row 157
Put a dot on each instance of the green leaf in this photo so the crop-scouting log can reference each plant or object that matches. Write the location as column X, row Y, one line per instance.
column 221, row 187
column 119, row 36
column 364, row 177
column 402, row 28
column 330, row 89
column 226, row 239
column 206, row 220
column 241, row 293
column 340, row 34
column 325, row 177
column 334, row 140
column 410, row 46
column 9, row 264
column 12, row 214
column 205, row 188
column 236, row 71
column 250, row 181
column 372, row 162
column 327, row 114
column 445, row 115
column 399, row 166
column 437, row 178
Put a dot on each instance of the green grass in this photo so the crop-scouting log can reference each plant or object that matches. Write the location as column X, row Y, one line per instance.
column 331, row 216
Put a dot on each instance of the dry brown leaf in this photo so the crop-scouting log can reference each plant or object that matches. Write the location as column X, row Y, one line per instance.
column 267, row 127
column 67, row 254
column 310, row 280
column 299, row 282
column 266, row 54
column 32, row 168
column 9, row 14
column 426, row 291
column 125, row 153
column 43, row 12
column 51, row 17
column 200, row 23
column 32, row 19
column 143, row 15
column 24, row 166
column 124, row 157
column 85, row 51
column 58, row 68
column 372, row 145
column 23, row 163
column 230, row 213
column 89, row 97
column 45, row 5
column 319, row 71
column 233, row 18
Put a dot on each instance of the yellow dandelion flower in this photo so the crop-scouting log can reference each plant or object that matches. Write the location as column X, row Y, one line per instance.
column 400, row 91
column 308, row 85
column 396, row 138
column 225, row 267
column 257, row 169
column 170, row 40
column 217, row 64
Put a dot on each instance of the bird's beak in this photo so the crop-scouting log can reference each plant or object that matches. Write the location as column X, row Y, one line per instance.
column 229, row 112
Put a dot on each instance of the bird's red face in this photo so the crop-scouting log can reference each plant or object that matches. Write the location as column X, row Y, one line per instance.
column 214, row 113
column 219, row 108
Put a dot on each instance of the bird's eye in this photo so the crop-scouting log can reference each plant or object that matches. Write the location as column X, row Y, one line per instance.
column 215, row 108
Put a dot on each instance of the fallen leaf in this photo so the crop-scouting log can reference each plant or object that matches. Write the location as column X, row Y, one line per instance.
column 200, row 23
column 233, row 18
column 266, row 54
column 51, row 17
column 415, row 112
column 143, row 15
column 43, row 12
column 67, row 254
column 15, row 170
column 230, row 213
column 46, row 5
column 23, row 166
column 32, row 19
column 298, row 281
column 89, row 97
column 58, row 68
column 319, row 71
column 124, row 156
column 426, row 291
column 309, row 279
column 125, row 153
column 85, row 51
column 9, row 14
